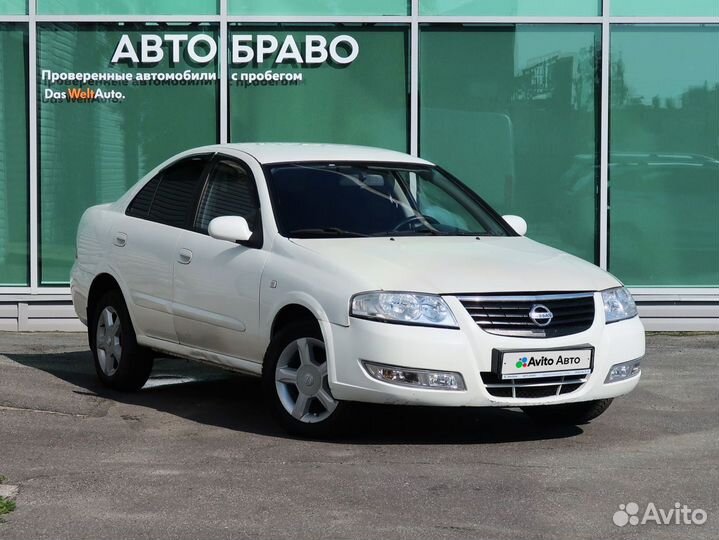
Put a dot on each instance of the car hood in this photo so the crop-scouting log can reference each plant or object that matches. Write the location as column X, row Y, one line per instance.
column 447, row 265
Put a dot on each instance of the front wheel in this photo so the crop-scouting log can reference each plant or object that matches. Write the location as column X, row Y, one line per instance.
column 296, row 382
column 120, row 362
column 569, row 413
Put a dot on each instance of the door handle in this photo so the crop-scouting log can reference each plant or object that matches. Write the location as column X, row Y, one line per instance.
column 184, row 256
column 120, row 239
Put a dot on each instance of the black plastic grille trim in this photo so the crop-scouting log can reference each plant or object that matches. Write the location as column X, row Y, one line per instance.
column 531, row 388
column 509, row 314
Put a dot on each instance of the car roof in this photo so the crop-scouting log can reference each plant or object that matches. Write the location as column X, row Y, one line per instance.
column 292, row 152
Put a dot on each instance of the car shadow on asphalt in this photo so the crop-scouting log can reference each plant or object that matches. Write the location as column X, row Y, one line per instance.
column 220, row 398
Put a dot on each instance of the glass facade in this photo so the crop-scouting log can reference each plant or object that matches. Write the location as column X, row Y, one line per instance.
column 664, row 159
column 499, row 8
column 14, row 240
column 318, row 7
column 505, row 94
column 365, row 104
column 665, row 8
column 13, row 7
column 127, row 7
column 91, row 150
column 512, row 110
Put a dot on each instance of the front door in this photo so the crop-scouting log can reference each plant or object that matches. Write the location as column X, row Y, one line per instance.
column 216, row 282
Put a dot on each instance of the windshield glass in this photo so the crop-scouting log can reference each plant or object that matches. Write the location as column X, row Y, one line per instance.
column 315, row 200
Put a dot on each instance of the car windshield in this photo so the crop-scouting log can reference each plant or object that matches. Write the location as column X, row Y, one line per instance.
column 322, row 200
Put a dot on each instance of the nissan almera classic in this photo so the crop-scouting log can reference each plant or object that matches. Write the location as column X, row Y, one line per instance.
column 345, row 274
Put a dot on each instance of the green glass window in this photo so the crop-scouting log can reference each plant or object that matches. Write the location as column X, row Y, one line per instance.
column 508, row 8
column 13, row 7
column 318, row 7
column 665, row 8
column 512, row 111
column 127, row 7
column 361, row 102
column 14, row 241
column 664, row 155
column 95, row 144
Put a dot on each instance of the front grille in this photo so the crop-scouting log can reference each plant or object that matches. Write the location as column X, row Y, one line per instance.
column 531, row 388
column 508, row 315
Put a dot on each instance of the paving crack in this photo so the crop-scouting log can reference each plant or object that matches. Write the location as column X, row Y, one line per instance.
column 27, row 409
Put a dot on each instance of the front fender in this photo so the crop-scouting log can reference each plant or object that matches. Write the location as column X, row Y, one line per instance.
column 299, row 298
column 310, row 303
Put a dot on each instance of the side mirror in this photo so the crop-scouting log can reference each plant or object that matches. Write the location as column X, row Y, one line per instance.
column 230, row 228
column 517, row 223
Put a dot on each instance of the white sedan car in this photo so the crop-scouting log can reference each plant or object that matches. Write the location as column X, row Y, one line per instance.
column 347, row 274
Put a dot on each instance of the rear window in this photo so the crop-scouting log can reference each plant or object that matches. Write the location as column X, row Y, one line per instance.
column 170, row 196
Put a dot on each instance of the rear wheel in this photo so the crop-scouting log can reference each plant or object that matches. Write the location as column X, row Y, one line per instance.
column 120, row 362
column 569, row 413
column 296, row 382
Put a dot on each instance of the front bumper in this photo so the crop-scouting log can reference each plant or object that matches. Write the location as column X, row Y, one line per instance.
column 469, row 351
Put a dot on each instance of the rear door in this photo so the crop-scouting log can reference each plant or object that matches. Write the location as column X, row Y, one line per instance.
column 216, row 282
column 145, row 240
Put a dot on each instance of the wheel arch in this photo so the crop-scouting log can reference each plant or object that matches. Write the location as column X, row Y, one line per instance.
column 289, row 314
column 302, row 307
column 106, row 281
column 100, row 285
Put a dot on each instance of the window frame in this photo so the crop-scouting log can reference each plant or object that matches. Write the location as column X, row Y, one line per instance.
column 192, row 208
column 257, row 239
column 471, row 194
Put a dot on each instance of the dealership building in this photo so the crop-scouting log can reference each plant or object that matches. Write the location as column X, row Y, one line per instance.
column 595, row 120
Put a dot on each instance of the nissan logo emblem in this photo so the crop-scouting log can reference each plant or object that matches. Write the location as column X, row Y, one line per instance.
column 541, row 315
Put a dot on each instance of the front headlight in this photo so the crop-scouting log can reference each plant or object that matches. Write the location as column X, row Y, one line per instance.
column 403, row 308
column 618, row 305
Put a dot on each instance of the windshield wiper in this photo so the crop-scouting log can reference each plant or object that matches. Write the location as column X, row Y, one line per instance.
column 319, row 232
column 468, row 234
column 421, row 232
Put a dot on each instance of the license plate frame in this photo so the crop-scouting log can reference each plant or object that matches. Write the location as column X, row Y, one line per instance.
column 500, row 357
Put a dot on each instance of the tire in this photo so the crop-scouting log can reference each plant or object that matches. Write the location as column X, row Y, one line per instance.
column 569, row 413
column 120, row 363
column 296, row 385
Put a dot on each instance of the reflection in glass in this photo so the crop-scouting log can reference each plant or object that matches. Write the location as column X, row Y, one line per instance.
column 508, row 8
column 664, row 155
column 14, row 247
column 365, row 102
column 318, row 7
column 13, row 7
column 92, row 151
column 665, row 8
column 127, row 7
column 512, row 111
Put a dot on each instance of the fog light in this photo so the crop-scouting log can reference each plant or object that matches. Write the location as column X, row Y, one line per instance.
column 422, row 378
column 622, row 371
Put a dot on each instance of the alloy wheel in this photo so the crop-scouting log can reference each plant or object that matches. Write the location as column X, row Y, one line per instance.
column 108, row 341
column 302, row 383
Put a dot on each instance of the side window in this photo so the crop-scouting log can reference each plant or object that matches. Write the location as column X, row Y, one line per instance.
column 438, row 202
column 230, row 192
column 140, row 205
column 169, row 197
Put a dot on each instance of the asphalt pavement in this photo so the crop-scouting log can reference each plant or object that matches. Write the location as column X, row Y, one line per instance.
column 195, row 455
